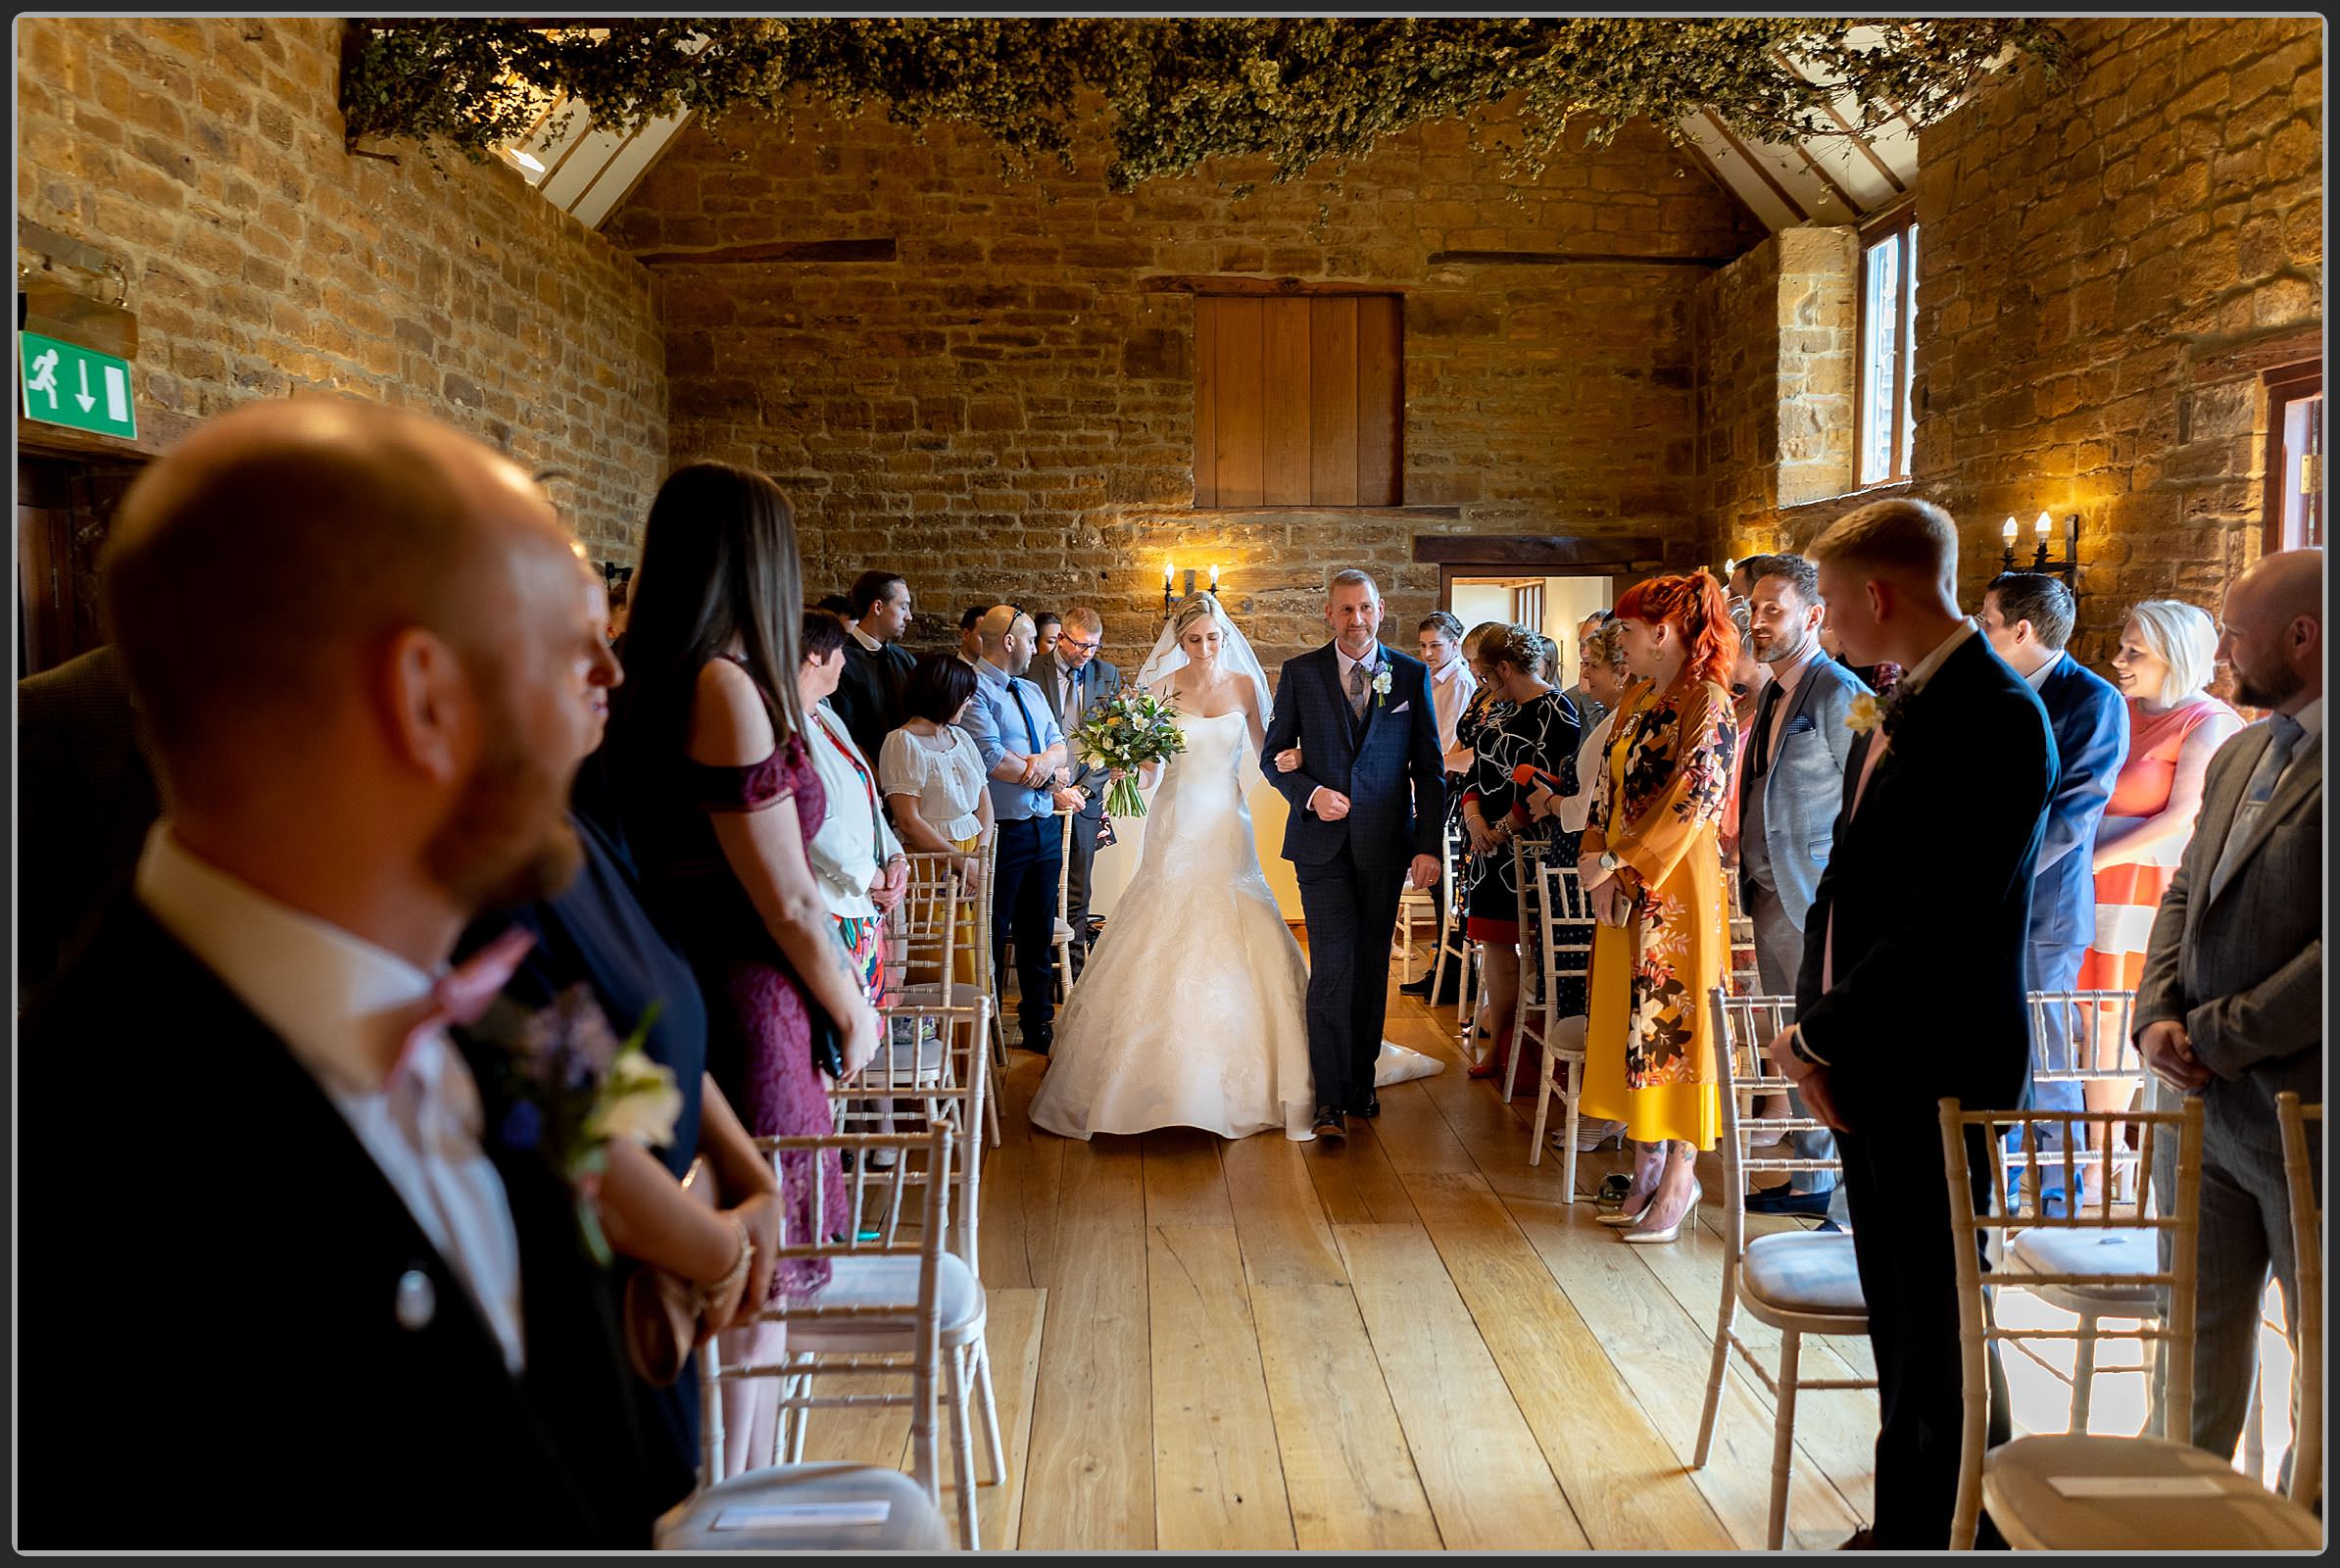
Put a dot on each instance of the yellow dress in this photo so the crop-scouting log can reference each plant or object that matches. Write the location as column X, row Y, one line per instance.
column 1649, row 1042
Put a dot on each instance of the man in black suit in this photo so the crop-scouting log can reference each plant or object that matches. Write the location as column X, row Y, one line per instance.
column 85, row 798
column 877, row 667
column 1367, row 806
column 363, row 1320
column 1912, row 986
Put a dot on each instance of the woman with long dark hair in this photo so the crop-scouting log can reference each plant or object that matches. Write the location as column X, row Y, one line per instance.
column 708, row 761
column 1652, row 867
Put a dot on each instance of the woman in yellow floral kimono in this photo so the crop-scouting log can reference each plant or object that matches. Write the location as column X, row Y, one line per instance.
column 1652, row 867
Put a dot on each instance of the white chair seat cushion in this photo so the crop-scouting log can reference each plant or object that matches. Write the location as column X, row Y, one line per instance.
column 874, row 1281
column 1064, row 931
column 2238, row 1515
column 926, row 1054
column 2045, row 1250
column 911, row 1523
column 1806, row 1273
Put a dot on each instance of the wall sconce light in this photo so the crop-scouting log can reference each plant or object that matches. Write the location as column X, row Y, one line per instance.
column 2067, row 568
column 1170, row 597
column 614, row 578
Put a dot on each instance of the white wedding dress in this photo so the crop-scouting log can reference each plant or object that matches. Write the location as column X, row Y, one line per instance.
column 1191, row 1012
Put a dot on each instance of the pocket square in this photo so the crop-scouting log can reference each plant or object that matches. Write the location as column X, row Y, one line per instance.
column 1400, row 708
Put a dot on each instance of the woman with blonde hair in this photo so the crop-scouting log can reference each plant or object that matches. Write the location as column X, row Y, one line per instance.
column 2168, row 654
column 1652, row 867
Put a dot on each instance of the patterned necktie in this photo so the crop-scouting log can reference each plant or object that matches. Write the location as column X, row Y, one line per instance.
column 1357, row 681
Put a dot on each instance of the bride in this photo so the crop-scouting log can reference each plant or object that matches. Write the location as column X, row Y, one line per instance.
column 1189, row 1013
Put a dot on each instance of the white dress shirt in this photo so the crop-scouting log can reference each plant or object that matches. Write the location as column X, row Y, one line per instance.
column 332, row 997
column 1451, row 688
column 863, row 638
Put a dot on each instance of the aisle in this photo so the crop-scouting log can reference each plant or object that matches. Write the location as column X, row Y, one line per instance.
column 1406, row 1342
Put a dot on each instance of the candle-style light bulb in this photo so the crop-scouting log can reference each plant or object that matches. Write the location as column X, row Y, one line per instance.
column 1169, row 570
column 2008, row 532
column 2041, row 528
column 1214, row 579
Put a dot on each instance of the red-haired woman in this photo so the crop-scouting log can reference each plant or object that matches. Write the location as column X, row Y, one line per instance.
column 1651, row 862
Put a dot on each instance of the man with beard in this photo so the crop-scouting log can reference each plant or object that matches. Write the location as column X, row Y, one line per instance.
column 2230, row 1006
column 361, row 1320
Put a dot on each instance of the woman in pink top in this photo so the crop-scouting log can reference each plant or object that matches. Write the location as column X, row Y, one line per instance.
column 2167, row 653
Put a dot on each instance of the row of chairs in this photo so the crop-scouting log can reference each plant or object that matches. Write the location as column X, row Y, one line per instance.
column 2098, row 1261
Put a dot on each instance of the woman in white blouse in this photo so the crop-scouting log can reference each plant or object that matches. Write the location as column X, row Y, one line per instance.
column 857, row 859
column 933, row 777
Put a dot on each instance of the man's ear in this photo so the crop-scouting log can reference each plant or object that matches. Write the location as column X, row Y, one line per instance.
column 1881, row 598
column 426, row 702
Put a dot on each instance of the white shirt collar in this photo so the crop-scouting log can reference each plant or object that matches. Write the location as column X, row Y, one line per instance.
column 863, row 638
column 2039, row 678
column 1446, row 672
column 1915, row 678
column 329, row 995
column 1372, row 661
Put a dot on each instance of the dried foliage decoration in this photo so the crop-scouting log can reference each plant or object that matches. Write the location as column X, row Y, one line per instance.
column 1180, row 91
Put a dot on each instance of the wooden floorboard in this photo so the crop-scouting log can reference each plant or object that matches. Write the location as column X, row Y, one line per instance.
column 1218, row 1476
column 1400, row 1342
column 1480, row 1467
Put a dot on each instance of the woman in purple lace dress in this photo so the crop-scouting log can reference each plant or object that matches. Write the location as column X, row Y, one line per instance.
column 719, row 799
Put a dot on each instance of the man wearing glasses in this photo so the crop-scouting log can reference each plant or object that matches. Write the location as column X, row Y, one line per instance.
column 1075, row 680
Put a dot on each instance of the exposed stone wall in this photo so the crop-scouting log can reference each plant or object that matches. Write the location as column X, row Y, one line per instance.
column 1002, row 411
column 2106, row 262
column 207, row 155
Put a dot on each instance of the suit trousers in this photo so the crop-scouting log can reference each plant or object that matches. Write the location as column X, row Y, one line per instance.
column 1779, row 955
column 1024, row 908
column 1076, row 882
column 2245, row 1236
column 1897, row 1187
column 1352, row 916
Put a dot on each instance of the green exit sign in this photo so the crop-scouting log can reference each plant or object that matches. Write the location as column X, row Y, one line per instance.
column 67, row 384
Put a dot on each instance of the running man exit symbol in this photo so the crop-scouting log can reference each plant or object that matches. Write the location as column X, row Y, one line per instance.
column 96, row 386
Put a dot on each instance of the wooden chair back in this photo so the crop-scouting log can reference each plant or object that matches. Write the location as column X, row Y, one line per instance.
column 2303, row 1130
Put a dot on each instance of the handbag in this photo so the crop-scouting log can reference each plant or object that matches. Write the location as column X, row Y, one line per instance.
column 661, row 1318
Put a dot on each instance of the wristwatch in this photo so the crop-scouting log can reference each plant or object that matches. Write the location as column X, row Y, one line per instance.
column 1610, row 862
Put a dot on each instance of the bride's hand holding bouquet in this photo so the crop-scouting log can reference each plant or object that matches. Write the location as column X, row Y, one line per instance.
column 1131, row 732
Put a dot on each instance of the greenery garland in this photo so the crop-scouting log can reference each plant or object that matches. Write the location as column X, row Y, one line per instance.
column 1180, row 91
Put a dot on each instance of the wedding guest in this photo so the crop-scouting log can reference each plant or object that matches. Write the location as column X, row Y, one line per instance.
column 2168, row 654
column 375, row 744
column 1790, row 792
column 933, row 776
column 1045, row 629
column 1022, row 747
column 1579, row 697
column 1652, row 867
column 1912, row 984
column 1076, row 681
column 1540, row 731
column 722, row 796
column 860, row 863
column 1439, row 639
column 877, row 667
column 1487, row 708
column 836, row 605
column 970, row 645
column 85, row 798
column 2029, row 618
column 2230, row 1007
column 1748, row 678
column 595, row 933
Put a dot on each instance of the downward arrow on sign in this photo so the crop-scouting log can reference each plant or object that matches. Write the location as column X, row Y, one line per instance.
column 83, row 397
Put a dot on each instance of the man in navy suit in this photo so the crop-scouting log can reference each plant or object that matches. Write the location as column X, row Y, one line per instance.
column 1912, row 986
column 373, row 1321
column 2028, row 615
column 1367, row 806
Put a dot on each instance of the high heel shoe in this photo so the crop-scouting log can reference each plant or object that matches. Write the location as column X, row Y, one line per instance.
column 1689, row 1210
column 1496, row 1057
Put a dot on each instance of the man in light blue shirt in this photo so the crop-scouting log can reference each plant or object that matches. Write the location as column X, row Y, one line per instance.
column 1024, row 754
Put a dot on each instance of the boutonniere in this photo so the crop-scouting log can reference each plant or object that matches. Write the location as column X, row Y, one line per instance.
column 1381, row 686
column 567, row 1086
column 1864, row 714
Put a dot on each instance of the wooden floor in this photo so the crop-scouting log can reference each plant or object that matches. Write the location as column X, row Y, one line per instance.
column 1406, row 1341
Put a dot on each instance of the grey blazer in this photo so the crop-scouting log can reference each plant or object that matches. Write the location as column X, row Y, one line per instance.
column 2244, row 970
column 1103, row 684
column 1803, row 788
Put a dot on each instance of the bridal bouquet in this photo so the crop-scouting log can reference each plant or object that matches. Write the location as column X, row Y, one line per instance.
column 1125, row 733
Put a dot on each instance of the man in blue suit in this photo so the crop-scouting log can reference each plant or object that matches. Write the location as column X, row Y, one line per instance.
column 2028, row 615
column 1368, row 809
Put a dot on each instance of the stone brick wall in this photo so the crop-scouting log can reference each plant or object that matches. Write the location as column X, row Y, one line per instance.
column 1002, row 411
column 1779, row 370
column 2106, row 262
column 207, row 155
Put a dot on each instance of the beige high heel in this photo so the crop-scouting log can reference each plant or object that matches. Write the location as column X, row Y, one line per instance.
column 1689, row 1211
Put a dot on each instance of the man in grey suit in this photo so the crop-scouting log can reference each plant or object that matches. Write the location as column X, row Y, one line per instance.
column 1075, row 682
column 2230, row 1008
column 1788, row 804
